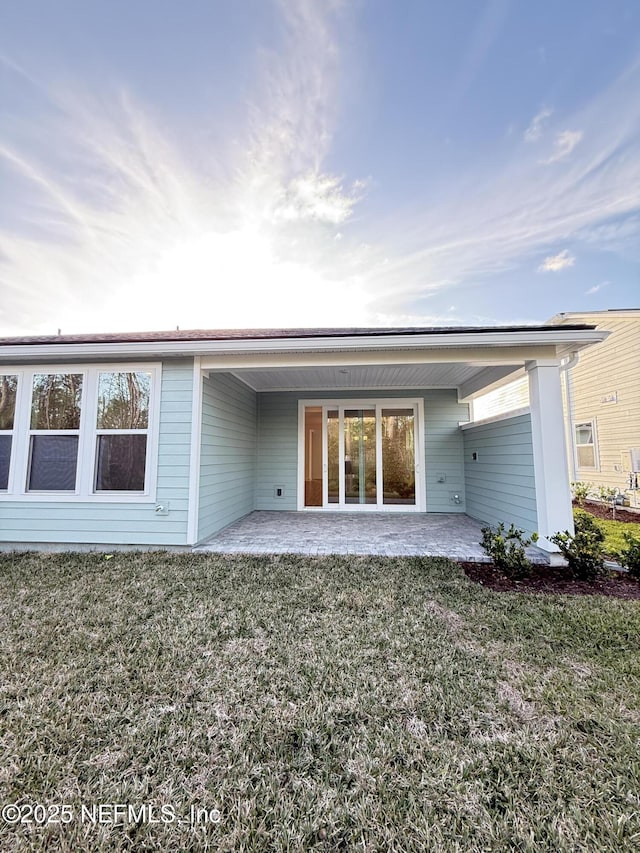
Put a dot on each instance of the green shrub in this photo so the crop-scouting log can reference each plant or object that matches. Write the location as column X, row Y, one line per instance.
column 607, row 494
column 581, row 491
column 582, row 550
column 630, row 556
column 507, row 549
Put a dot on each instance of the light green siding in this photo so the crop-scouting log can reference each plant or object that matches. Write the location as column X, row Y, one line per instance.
column 277, row 463
column 500, row 482
column 70, row 522
column 228, row 452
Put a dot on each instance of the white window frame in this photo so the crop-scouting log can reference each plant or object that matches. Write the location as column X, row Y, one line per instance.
column 591, row 422
column 87, row 445
column 377, row 403
column 12, row 432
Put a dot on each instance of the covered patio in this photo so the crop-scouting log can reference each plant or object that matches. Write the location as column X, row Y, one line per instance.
column 452, row 535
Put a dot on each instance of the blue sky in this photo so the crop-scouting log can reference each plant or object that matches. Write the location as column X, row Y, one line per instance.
column 211, row 164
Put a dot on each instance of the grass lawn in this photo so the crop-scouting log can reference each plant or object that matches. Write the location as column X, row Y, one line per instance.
column 356, row 704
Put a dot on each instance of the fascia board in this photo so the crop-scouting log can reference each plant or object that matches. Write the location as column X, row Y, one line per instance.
column 176, row 349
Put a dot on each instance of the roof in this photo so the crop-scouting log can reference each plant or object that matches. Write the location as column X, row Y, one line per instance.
column 596, row 317
column 178, row 335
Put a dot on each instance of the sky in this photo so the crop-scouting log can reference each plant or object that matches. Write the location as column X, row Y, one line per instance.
column 285, row 163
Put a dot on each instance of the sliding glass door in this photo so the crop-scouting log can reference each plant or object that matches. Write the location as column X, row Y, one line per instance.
column 368, row 458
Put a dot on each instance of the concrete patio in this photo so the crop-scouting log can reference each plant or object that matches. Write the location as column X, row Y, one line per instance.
column 384, row 534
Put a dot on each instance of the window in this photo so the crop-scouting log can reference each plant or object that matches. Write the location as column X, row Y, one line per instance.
column 586, row 450
column 122, row 426
column 8, row 390
column 55, row 431
column 79, row 433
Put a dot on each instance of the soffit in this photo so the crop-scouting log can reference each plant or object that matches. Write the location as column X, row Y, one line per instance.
column 385, row 376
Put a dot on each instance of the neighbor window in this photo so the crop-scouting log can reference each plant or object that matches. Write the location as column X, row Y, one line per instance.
column 586, row 444
column 85, row 432
column 8, row 390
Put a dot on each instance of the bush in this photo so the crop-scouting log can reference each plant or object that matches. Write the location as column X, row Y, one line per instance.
column 507, row 549
column 630, row 556
column 581, row 491
column 606, row 494
column 583, row 550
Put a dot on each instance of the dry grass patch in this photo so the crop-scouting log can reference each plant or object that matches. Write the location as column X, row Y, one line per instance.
column 318, row 704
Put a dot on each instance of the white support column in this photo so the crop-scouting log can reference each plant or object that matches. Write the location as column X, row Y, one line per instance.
column 553, row 495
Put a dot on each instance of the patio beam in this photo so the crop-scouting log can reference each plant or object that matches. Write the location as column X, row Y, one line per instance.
column 477, row 356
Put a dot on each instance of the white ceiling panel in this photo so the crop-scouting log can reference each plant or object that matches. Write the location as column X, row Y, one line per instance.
column 360, row 377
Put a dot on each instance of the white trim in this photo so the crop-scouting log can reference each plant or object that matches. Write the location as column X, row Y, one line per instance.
column 87, row 432
column 347, row 389
column 377, row 403
column 194, row 455
column 12, row 432
column 555, row 335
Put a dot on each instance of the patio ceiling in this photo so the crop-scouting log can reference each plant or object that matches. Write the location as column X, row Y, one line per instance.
column 380, row 376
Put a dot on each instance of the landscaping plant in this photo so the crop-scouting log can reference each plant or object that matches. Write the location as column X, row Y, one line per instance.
column 507, row 549
column 608, row 496
column 581, row 491
column 583, row 550
column 630, row 556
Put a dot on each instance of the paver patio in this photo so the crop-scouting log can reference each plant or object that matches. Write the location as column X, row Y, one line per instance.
column 384, row 534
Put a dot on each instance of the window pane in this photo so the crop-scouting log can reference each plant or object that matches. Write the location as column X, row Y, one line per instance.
column 121, row 463
column 360, row 456
column 123, row 400
column 5, row 458
column 8, row 386
column 584, row 434
column 53, row 463
column 56, row 401
column 333, row 461
column 398, row 456
column 586, row 456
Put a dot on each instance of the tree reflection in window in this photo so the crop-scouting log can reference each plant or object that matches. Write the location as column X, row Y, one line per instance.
column 55, row 403
column 123, row 400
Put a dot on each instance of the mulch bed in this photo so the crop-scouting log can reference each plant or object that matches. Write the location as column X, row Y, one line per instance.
column 558, row 580
column 601, row 510
column 553, row 581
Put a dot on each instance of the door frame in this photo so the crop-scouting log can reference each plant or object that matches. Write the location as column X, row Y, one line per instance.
column 363, row 403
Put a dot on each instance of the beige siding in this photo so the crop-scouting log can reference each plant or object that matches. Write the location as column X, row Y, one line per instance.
column 605, row 388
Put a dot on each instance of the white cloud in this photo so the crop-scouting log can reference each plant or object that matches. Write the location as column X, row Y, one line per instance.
column 555, row 263
column 564, row 144
column 596, row 288
column 534, row 131
column 317, row 197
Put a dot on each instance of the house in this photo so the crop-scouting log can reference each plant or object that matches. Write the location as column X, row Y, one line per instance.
column 601, row 392
column 162, row 439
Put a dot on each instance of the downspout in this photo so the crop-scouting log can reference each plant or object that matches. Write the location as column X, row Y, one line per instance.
column 565, row 367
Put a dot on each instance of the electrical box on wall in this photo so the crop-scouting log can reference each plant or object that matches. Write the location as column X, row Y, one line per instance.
column 278, row 491
column 455, row 498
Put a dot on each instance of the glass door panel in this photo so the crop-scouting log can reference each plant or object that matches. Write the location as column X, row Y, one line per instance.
column 398, row 457
column 333, row 456
column 313, row 456
column 360, row 456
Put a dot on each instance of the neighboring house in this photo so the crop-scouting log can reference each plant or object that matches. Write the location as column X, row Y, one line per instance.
column 162, row 439
column 601, row 391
